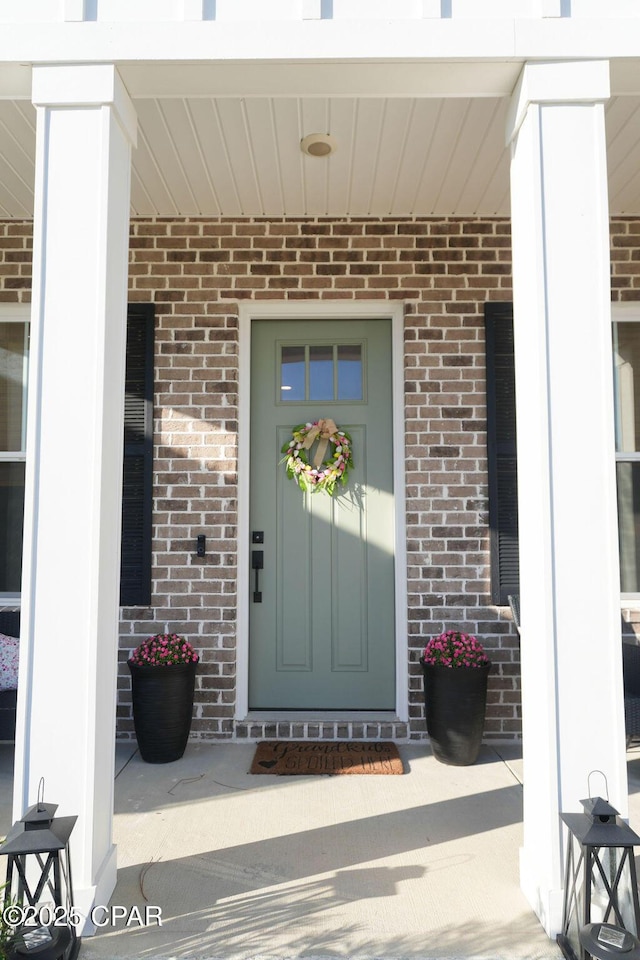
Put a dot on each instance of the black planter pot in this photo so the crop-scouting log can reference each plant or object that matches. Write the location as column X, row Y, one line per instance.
column 162, row 708
column 455, row 700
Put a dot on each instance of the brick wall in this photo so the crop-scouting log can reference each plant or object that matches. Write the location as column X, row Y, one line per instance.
column 195, row 272
column 443, row 271
column 625, row 259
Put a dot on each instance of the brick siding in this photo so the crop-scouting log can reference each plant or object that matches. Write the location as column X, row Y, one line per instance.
column 195, row 272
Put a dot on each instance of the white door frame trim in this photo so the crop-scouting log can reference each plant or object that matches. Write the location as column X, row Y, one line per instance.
column 321, row 310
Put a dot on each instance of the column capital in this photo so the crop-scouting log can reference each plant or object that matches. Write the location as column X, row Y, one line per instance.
column 85, row 85
column 567, row 82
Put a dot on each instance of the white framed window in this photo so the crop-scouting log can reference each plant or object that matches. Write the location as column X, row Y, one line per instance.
column 14, row 362
column 626, row 377
column 137, row 505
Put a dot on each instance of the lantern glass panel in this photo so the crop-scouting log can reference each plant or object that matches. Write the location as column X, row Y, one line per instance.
column 612, row 888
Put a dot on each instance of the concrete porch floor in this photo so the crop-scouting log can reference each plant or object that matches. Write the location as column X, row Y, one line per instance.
column 420, row 865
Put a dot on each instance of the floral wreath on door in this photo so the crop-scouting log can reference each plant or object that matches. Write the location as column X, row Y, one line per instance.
column 331, row 461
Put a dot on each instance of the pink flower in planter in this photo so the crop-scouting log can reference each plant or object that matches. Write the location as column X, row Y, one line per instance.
column 164, row 649
column 455, row 649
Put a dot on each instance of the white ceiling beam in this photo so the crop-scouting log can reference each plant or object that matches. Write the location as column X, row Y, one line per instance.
column 301, row 39
column 430, row 37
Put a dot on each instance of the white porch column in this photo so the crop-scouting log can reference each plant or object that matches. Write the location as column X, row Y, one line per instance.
column 66, row 701
column 573, row 715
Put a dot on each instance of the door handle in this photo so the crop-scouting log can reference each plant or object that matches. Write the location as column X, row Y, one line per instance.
column 257, row 564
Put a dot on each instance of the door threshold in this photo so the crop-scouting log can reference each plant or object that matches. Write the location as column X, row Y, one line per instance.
column 321, row 725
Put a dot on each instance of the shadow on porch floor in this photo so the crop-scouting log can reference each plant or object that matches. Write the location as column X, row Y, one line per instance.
column 419, row 866
column 422, row 865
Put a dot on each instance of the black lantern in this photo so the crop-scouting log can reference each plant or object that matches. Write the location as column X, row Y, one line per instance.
column 600, row 887
column 38, row 895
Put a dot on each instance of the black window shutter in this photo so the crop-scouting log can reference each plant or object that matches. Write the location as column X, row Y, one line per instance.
column 501, row 451
column 137, row 486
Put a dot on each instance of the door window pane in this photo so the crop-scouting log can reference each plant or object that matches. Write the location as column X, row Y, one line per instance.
column 12, row 386
column 350, row 372
column 292, row 374
column 11, row 513
column 321, row 373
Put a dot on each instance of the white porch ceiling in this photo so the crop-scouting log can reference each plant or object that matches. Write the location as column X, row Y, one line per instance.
column 239, row 156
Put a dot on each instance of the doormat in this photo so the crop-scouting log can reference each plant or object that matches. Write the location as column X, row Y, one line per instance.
column 291, row 757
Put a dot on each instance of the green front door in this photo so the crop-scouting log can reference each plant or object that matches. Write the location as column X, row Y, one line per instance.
column 322, row 616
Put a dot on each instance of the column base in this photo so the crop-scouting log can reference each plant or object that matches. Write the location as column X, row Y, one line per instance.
column 98, row 895
column 547, row 904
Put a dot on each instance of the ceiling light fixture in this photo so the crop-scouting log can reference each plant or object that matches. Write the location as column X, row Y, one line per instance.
column 318, row 145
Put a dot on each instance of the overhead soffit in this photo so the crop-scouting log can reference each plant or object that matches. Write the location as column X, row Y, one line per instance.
column 409, row 142
column 388, row 78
